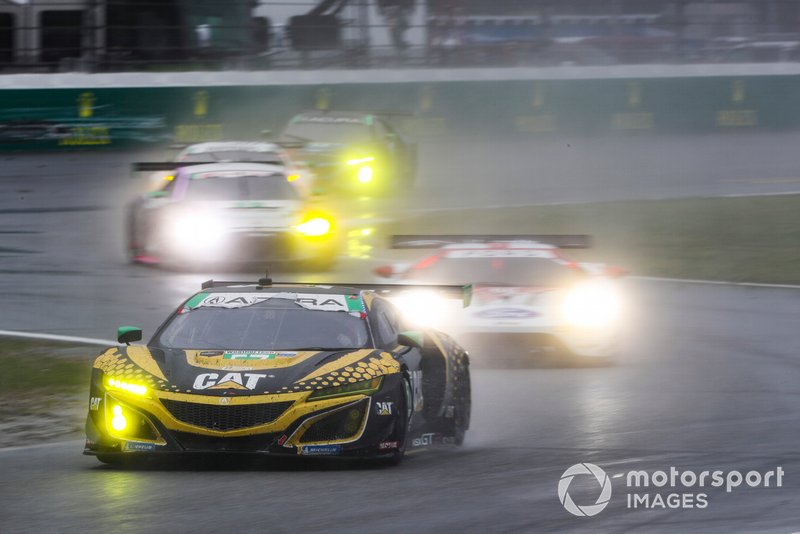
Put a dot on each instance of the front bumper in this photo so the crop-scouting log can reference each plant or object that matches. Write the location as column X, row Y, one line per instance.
column 247, row 246
column 591, row 343
column 288, row 424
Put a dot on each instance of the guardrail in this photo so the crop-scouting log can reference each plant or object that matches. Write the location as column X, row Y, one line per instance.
column 86, row 117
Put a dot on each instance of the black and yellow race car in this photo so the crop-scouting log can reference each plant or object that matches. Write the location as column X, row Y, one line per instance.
column 284, row 369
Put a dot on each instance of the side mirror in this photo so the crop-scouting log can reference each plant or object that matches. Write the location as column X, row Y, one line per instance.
column 384, row 271
column 129, row 334
column 411, row 338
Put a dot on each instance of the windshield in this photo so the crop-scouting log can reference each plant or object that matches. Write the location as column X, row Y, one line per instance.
column 275, row 324
column 239, row 186
column 511, row 271
column 241, row 156
column 328, row 132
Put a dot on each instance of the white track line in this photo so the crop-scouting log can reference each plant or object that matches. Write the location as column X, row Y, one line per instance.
column 56, row 337
column 714, row 282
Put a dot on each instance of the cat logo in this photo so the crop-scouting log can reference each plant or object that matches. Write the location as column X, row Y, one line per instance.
column 227, row 381
column 384, row 408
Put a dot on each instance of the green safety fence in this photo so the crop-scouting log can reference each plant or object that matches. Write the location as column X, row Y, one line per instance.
column 115, row 117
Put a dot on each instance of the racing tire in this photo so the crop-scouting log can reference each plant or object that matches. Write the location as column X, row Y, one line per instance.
column 397, row 456
column 463, row 410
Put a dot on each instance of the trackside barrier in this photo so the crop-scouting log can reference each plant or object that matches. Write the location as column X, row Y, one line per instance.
column 119, row 116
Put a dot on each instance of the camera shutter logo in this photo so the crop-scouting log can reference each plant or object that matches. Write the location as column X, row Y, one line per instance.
column 590, row 509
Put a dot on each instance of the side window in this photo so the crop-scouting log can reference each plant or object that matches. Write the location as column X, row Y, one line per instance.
column 386, row 327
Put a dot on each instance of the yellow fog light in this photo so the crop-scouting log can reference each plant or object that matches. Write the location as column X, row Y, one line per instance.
column 314, row 227
column 292, row 177
column 365, row 174
column 118, row 421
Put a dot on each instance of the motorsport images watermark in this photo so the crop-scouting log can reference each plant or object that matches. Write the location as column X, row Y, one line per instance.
column 669, row 489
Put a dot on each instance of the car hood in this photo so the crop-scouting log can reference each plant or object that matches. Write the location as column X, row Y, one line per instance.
column 231, row 373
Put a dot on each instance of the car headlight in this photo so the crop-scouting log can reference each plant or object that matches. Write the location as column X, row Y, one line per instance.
column 116, row 384
column 365, row 174
column 422, row 308
column 363, row 387
column 365, row 171
column 595, row 303
column 315, row 225
column 188, row 230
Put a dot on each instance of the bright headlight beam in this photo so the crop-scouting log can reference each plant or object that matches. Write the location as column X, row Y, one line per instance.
column 118, row 421
column 189, row 230
column 365, row 174
column 422, row 308
column 314, row 227
column 119, row 385
column 594, row 303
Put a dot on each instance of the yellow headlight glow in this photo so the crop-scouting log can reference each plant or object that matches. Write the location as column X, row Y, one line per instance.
column 119, row 385
column 292, row 177
column 365, row 174
column 315, row 227
column 118, row 421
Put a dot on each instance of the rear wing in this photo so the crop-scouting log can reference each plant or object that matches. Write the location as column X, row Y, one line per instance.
column 463, row 293
column 436, row 241
column 155, row 166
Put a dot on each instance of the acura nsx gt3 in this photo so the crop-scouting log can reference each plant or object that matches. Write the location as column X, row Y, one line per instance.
column 279, row 370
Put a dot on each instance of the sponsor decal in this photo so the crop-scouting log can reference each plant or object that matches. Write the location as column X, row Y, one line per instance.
column 388, row 445
column 424, row 440
column 248, row 355
column 139, row 446
column 321, row 450
column 282, row 440
column 227, row 381
column 224, row 401
column 94, row 403
column 449, row 411
column 507, row 313
column 384, row 408
column 310, row 301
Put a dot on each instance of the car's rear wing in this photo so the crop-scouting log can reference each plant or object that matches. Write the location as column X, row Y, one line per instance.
column 462, row 292
column 436, row 241
column 155, row 166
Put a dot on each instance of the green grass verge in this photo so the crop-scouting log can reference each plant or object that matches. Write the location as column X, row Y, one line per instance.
column 743, row 239
column 34, row 365
column 44, row 390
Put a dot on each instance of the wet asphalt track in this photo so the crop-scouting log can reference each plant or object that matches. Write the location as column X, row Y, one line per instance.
column 708, row 379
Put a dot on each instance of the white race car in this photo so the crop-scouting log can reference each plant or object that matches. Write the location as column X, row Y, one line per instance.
column 524, row 292
column 228, row 213
column 297, row 173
